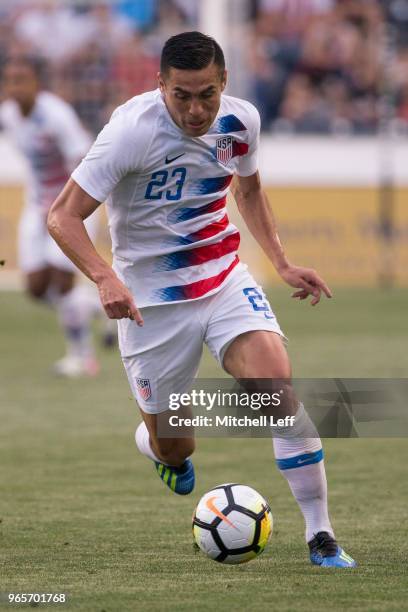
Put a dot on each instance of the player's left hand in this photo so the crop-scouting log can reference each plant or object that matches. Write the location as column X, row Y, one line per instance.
column 307, row 281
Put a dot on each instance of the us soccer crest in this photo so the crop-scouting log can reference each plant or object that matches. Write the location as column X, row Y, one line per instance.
column 224, row 149
column 143, row 387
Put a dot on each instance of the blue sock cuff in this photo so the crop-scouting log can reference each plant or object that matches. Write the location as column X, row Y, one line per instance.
column 300, row 460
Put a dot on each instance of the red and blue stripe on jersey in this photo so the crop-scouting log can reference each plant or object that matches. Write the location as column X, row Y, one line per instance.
column 194, row 290
column 202, row 254
column 186, row 214
column 199, row 255
column 202, row 234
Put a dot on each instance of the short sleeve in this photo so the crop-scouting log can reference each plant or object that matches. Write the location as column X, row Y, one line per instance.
column 248, row 163
column 110, row 158
column 73, row 140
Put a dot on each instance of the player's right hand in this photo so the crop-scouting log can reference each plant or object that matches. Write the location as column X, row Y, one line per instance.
column 117, row 300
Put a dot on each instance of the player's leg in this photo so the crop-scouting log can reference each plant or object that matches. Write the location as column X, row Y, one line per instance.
column 31, row 254
column 36, row 283
column 298, row 449
column 262, row 355
column 162, row 358
column 170, row 451
column 74, row 304
column 49, row 276
column 170, row 455
column 75, row 310
column 249, row 345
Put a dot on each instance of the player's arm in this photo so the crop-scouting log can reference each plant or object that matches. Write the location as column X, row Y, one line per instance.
column 66, row 226
column 256, row 211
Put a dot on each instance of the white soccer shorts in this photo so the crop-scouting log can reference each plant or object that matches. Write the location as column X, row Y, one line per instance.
column 37, row 250
column 163, row 356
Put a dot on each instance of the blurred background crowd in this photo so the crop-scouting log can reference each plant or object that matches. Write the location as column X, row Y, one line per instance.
column 326, row 65
column 311, row 66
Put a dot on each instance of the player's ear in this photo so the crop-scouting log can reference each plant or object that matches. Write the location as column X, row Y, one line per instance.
column 224, row 80
column 160, row 81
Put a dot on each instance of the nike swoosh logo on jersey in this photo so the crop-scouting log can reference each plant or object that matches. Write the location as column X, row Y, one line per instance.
column 300, row 461
column 172, row 159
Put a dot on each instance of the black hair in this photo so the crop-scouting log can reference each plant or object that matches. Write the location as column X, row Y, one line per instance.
column 35, row 63
column 191, row 51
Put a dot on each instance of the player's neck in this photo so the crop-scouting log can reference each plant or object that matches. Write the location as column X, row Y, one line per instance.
column 26, row 108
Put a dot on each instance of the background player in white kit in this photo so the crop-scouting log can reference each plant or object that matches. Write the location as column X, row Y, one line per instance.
column 165, row 162
column 50, row 136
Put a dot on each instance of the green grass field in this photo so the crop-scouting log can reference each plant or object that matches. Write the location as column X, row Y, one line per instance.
column 82, row 512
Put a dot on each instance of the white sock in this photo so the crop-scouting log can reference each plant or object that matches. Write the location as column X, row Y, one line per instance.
column 142, row 439
column 51, row 297
column 87, row 295
column 75, row 310
column 299, row 456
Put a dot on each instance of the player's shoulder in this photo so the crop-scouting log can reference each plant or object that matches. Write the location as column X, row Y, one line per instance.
column 53, row 111
column 132, row 124
column 243, row 110
column 48, row 101
column 139, row 108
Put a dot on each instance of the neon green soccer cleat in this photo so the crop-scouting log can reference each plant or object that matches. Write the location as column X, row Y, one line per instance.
column 181, row 480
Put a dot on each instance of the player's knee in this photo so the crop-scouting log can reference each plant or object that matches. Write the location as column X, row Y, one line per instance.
column 281, row 370
column 62, row 281
column 277, row 368
column 36, row 291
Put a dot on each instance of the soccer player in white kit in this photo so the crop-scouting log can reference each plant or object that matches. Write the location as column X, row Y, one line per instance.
column 48, row 133
column 164, row 163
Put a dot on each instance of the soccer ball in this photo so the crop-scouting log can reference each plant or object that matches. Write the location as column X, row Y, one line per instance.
column 232, row 523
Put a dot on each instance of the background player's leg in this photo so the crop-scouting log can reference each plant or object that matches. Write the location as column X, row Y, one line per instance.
column 75, row 310
column 37, row 283
column 298, row 449
column 76, row 306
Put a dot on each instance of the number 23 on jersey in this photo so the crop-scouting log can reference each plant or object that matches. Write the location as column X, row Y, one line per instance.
column 156, row 189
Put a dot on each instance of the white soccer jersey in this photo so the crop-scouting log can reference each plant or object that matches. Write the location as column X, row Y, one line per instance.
column 172, row 240
column 52, row 140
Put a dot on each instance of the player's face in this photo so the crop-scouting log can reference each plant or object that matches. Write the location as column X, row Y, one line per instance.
column 193, row 97
column 21, row 84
